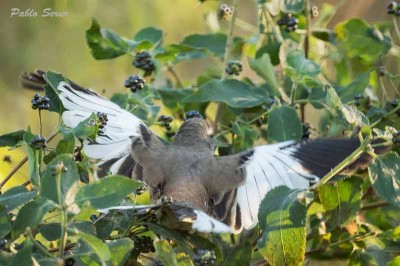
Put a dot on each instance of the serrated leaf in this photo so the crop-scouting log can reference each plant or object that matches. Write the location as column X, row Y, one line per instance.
column 68, row 180
column 282, row 219
column 31, row 214
column 360, row 40
column 16, row 196
column 232, row 92
column 384, row 173
column 263, row 67
column 106, row 192
column 341, row 200
column 12, row 139
column 106, row 44
column 284, row 124
column 120, row 250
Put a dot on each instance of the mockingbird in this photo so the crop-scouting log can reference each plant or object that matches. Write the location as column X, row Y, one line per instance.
column 224, row 192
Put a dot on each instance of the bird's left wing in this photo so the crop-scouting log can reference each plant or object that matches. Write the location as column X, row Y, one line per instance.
column 291, row 164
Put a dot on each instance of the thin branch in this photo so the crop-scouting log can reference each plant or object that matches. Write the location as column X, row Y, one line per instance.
column 308, row 22
column 177, row 77
column 396, row 27
column 374, row 205
column 229, row 40
column 386, row 115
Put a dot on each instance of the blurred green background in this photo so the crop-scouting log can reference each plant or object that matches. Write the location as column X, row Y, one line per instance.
column 29, row 43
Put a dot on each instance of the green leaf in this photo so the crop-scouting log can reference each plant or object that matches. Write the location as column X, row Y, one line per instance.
column 66, row 144
column 292, row 6
column 284, row 124
column 55, row 102
column 239, row 255
column 97, row 246
column 12, row 139
column 30, row 215
column 263, row 67
column 16, row 196
column 33, row 159
column 106, row 192
column 87, row 128
column 323, row 34
column 172, row 98
column 282, row 219
column 299, row 68
column 5, row 225
column 151, row 34
column 357, row 86
column 271, row 46
column 333, row 99
column 165, row 253
column 120, row 250
column 384, row 173
column 232, row 92
column 106, row 44
column 215, row 43
column 69, row 179
column 341, row 200
column 360, row 40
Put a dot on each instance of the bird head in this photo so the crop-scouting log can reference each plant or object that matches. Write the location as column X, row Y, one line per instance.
column 195, row 132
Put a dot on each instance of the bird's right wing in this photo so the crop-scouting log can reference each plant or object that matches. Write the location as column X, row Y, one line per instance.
column 112, row 146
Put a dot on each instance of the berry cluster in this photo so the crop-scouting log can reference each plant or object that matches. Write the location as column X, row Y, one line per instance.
column 142, row 244
column 165, row 121
column 289, row 21
column 396, row 138
column 134, row 82
column 144, row 61
column 233, row 68
column 193, row 114
column 204, row 257
column 38, row 142
column 393, row 8
column 103, row 119
column 314, row 11
column 224, row 11
column 306, row 131
column 40, row 102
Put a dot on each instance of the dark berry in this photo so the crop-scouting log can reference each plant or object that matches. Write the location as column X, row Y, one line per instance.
column 93, row 217
column 306, row 131
column 233, row 68
column 224, row 11
column 170, row 134
column 7, row 159
column 394, row 103
column 134, row 82
column 396, row 138
column 144, row 61
column 38, row 142
column 392, row 5
column 193, row 114
column 69, row 262
column 3, row 243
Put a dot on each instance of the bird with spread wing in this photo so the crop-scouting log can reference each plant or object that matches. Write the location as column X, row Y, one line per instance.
column 222, row 192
